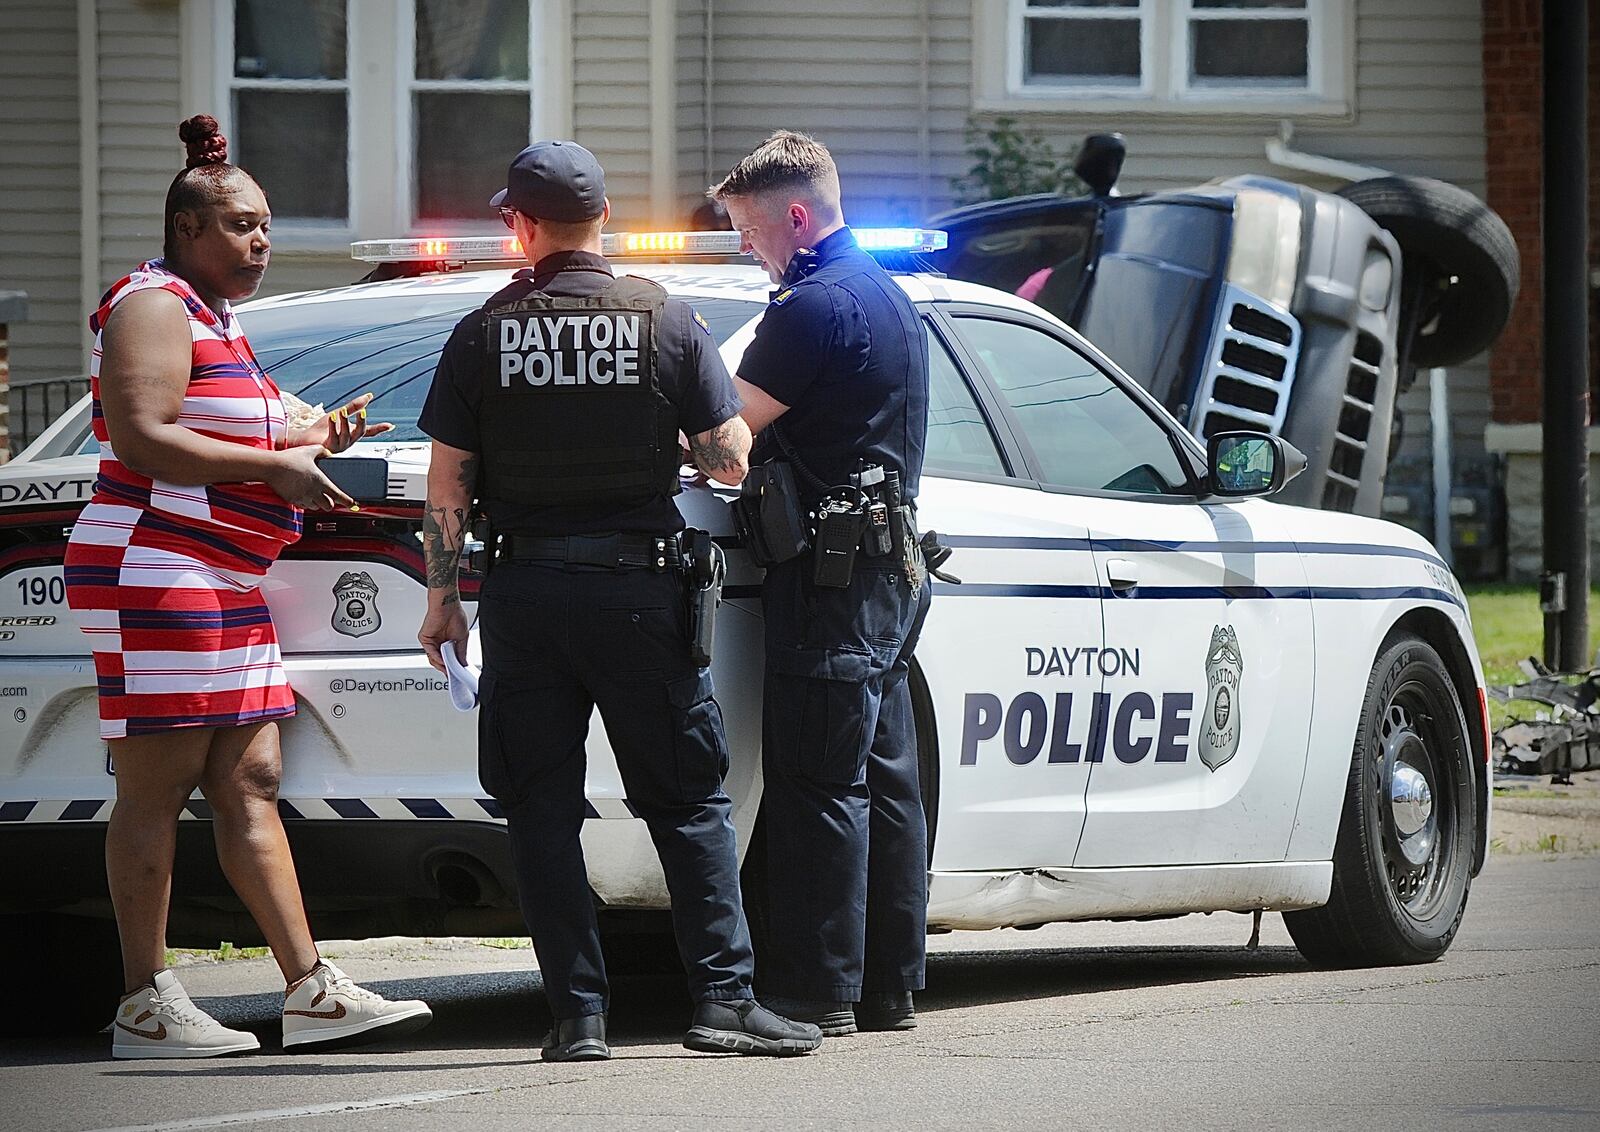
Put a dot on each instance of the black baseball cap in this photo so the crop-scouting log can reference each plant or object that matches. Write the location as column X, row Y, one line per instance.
column 554, row 180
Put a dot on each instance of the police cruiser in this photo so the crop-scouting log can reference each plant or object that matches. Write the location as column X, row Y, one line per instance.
column 1154, row 692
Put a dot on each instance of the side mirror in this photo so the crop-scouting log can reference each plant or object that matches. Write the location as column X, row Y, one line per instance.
column 1251, row 463
column 1099, row 162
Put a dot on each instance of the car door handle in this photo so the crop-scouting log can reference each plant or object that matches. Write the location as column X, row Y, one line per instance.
column 1122, row 574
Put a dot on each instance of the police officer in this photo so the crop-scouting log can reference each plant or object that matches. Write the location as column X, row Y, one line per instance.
column 836, row 384
column 558, row 406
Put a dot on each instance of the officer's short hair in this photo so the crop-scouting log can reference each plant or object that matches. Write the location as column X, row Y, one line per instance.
column 570, row 233
column 785, row 162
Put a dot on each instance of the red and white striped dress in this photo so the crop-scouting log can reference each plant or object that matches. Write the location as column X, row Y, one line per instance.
column 164, row 577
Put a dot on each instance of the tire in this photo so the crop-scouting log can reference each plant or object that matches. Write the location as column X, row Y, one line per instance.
column 1457, row 251
column 79, row 959
column 1400, row 875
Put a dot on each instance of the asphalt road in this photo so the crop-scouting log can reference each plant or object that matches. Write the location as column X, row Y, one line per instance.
column 1099, row 1025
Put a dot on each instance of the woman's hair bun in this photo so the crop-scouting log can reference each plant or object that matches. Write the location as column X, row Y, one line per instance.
column 206, row 146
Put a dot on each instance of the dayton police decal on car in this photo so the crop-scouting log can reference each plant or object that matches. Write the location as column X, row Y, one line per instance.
column 1130, row 724
column 355, row 609
column 1219, row 731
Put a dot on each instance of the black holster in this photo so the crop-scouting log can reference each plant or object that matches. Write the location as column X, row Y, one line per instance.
column 704, row 569
column 768, row 515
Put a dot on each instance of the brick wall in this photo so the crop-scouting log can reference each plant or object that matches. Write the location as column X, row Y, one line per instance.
column 1513, row 75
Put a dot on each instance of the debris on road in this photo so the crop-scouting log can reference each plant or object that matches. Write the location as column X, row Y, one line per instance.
column 1565, row 740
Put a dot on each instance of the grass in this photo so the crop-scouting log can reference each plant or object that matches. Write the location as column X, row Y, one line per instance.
column 506, row 943
column 223, row 952
column 1509, row 628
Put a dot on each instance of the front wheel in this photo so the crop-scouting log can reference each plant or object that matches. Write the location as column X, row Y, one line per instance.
column 1402, row 863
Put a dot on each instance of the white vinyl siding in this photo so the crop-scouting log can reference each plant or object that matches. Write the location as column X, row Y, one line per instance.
column 855, row 76
column 39, row 201
column 139, row 113
column 694, row 171
column 611, row 99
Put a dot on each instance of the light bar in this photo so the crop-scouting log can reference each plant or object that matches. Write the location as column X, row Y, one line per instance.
column 455, row 249
column 901, row 239
column 620, row 245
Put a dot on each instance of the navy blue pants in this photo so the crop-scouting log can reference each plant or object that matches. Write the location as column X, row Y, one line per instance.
column 847, row 842
column 557, row 643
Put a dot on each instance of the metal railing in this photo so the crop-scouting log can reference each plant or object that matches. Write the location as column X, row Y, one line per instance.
column 35, row 406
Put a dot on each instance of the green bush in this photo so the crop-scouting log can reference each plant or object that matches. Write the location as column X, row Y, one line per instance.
column 1008, row 162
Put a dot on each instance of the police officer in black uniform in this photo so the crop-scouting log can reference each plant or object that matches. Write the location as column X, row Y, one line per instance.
column 836, row 385
column 557, row 407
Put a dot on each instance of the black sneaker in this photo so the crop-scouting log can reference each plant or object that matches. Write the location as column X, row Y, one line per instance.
column 886, row 1010
column 745, row 1026
column 577, row 1039
column 835, row 1019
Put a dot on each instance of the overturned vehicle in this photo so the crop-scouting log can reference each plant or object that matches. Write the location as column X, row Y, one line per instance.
column 1253, row 303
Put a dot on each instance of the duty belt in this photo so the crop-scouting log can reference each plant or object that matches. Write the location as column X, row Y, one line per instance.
column 614, row 551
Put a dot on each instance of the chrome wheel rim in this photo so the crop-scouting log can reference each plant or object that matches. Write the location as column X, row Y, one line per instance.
column 1415, row 820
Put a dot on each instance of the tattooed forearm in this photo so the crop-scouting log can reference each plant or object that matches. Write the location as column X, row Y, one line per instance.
column 468, row 476
column 722, row 453
column 443, row 533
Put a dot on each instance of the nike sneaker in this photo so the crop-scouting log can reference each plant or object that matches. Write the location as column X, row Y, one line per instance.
column 161, row 1020
column 326, row 1010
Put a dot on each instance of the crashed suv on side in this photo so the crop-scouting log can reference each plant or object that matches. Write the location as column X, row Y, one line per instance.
column 1253, row 303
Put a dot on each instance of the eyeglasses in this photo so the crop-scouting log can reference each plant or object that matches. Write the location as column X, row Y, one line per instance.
column 509, row 215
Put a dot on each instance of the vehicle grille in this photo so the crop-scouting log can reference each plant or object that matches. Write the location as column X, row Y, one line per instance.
column 1251, row 369
column 1351, row 437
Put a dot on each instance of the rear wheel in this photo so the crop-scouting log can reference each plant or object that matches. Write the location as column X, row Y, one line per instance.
column 79, row 959
column 1403, row 859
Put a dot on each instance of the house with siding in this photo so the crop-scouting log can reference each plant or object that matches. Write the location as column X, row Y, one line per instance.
column 372, row 118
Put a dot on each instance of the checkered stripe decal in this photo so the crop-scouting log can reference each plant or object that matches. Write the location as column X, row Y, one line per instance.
column 312, row 809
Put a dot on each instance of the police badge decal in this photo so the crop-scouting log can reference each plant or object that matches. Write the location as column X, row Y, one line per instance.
column 1219, row 731
column 355, row 604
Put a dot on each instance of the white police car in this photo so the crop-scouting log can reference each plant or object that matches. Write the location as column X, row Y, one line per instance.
column 1145, row 699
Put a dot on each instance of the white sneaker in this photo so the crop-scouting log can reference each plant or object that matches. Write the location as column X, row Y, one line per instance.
column 162, row 1021
column 325, row 1010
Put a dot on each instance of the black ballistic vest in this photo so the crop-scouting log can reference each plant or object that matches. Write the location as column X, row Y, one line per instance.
column 573, row 412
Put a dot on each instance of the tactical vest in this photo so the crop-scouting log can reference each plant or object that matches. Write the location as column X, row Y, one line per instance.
column 573, row 412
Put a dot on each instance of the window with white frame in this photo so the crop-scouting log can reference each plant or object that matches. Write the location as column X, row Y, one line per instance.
column 289, row 97
column 378, row 116
column 470, row 105
column 1214, row 53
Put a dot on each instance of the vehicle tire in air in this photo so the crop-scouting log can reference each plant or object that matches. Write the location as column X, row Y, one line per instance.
column 1402, row 862
column 1466, row 256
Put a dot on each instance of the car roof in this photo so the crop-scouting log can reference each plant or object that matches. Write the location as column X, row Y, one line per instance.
column 688, row 281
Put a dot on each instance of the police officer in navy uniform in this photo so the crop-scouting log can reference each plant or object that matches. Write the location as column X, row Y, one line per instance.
column 836, row 382
column 557, row 408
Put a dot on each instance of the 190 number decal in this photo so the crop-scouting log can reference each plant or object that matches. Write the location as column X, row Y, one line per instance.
column 42, row 591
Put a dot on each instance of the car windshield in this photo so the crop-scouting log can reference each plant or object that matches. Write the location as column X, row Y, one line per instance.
column 326, row 353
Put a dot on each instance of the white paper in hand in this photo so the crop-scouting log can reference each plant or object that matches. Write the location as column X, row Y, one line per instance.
column 462, row 678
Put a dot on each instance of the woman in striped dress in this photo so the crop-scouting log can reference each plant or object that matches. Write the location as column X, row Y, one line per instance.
column 201, row 486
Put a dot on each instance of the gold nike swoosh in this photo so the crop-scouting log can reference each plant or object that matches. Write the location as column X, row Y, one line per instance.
column 156, row 1035
column 336, row 1012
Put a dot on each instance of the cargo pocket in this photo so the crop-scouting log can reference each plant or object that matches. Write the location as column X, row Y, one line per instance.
column 699, row 745
column 822, row 706
column 494, row 766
